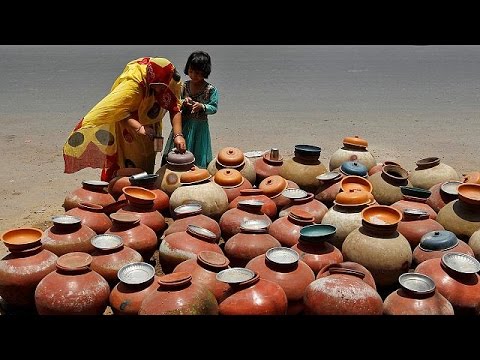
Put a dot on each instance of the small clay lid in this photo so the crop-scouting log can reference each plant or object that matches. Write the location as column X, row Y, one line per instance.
column 417, row 283
column 66, row 220
column 107, row 241
column 213, row 259
column 231, row 157
column 415, row 192
column 20, row 238
column 461, row 263
column 293, row 193
column 282, row 256
column 174, row 157
column 273, row 185
column 354, row 168
column 329, row 176
column 125, row 218
column 74, row 261
column 301, row 215
column 428, row 162
column 352, row 198
column 353, row 182
column 139, row 195
column 317, row 232
column 136, row 273
column 228, row 178
column 194, row 176
column 381, row 215
column 438, row 240
column 308, row 150
column 355, row 141
column 175, row 279
column 469, row 193
column 188, row 209
column 450, row 188
column 254, row 226
column 236, row 275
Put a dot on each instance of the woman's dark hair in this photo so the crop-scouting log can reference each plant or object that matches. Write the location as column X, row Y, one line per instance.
column 199, row 61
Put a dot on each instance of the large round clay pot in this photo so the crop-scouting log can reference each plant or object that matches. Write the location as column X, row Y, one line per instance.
column 417, row 296
column 287, row 229
column 92, row 215
column 191, row 214
column 328, row 187
column 232, row 182
column 387, row 184
column 462, row 216
column 456, row 278
column 442, row 193
column 121, row 179
column 416, row 223
column 73, row 288
column 24, row 266
column 300, row 199
column 252, row 240
column 233, row 158
column 197, row 187
column 178, row 295
column 431, row 171
column 343, row 292
column 148, row 181
column 354, row 149
column 474, row 244
column 269, row 164
column 304, row 167
column 68, row 234
column 378, row 245
column 273, row 187
column 368, row 278
column 415, row 198
column 314, row 249
column 248, row 294
column 92, row 191
column 284, row 267
column 134, row 234
column 246, row 210
column 435, row 244
column 137, row 280
column 169, row 174
column 204, row 270
column 111, row 255
column 269, row 207
column 178, row 247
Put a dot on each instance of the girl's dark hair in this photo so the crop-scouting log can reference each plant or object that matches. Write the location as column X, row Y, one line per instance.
column 199, row 61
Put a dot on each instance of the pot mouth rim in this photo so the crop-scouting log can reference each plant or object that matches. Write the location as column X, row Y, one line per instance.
column 417, row 283
column 136, row 273
column 235, row 275
column 461, row 263
column 282, row 256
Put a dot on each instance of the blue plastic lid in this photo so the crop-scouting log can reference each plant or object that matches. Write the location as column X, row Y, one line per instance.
column 354, row 168
column 438, row 240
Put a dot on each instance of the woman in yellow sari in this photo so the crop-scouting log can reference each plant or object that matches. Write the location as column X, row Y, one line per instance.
column 118, row 132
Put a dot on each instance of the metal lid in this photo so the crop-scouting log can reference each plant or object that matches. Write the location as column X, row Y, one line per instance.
column 188, row 209
column 74, row 261
column 417, row 283
column 66, row 220
column 332, row 175
column 136, row 273
column 254, row 153
column 201, row 232
column 438, row 240
column 235, row 275
column 317, row 232
column 143, row 180
column 257, row 226
column 354, row 168
column 450, row 187
column 461, row 263
column 415, row 192
column 213, row 259
column 125, row 217
column 107, row 241
column 293, row 193
column 282, row 256
column 251, row 202
column 94, row 183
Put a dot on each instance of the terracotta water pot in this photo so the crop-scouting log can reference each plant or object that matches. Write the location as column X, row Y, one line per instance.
column 287, row 229
column 191, row 214
column 300, row 199
column 92, row 191
column 368, row 278
column 273, row 187
column 415, row 224
column 354, row 149
column 92, row 215
column 431, row 171
column 233, row 158
column 269, row 164
column 387, row 184
column 269, row 207
column 232, row 182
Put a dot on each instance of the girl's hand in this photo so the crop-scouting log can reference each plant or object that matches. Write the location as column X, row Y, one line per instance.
column 197, row 106
column 187, row 103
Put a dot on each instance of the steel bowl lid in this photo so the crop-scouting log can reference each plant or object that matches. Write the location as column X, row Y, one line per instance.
column 282, row 256
column 136, row 273
column 417, row 283
column 200, row 231
column 293, row 193
column 415, row 192
column 461, row 263
column 191, row 208
column 354, row 168
column 235, row 275
column 438, row 240
column 95, row 183
column 259, row 226
column 74, row 261
column 317, row 232
column 331, row 175
column 450, row 187
column 66, row 220
column 107, row 241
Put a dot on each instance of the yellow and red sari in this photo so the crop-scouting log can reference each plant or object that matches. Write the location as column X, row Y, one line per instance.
column 102, row 140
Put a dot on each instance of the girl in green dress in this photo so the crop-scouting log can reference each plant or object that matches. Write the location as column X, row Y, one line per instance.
column 200, row 99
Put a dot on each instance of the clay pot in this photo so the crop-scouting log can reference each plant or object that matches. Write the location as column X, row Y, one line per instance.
column 431, row 171
column 178, row 295
column 22, row 269
column 314, row 249
column 134, row 234
column 169, row 174
column 435, row 244
column 415, row 224
column 269, row 207
column 387, row 184
column 287, row 229
column 343, row 292
column 415, row 198
column 379, row 166
column 232, row 182
column 354, row 149
column 284, row 267
column 92, row 215
column 273, row 187
column 269, row 164
column 378, row 246
column 474, row 244
column 442, row 193
column 204, row 270
column 121, row 179
column 456, row 277
column 110, row 255
column 300, row 199
column 304, row 167
column 329, row 187
column 187, row 214
column 417, row 296
column 248, row 294
column 67, row 234
column 368, row 278
column 73, row 288
column 137, row 280
column 353, row 168
column 246, row 210
column 178, row 247
column 252, row 240
column 233, row 158
column 148, row 181
column 471, row 177
column 92, row 191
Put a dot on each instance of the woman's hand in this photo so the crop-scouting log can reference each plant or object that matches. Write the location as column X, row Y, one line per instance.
column 146, row 131
column 179, row 142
